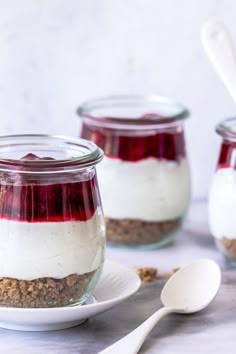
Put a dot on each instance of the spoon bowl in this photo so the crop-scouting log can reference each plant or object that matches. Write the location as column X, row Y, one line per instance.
column 192, row 288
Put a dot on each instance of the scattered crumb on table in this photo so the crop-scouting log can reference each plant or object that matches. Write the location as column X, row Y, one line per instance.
column 150, row 274
column 174, row 270
column 147, row 274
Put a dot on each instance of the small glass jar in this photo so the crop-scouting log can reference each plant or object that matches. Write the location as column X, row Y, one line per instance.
column 144, row 177
column 222, row 196
column 51, row 223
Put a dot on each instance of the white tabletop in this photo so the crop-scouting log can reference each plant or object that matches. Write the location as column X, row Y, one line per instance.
column 210, row 331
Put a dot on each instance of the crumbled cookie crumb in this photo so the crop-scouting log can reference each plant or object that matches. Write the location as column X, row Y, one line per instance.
column 165, row 275
column 174, row 270
column 228, row 247
column 147, row 274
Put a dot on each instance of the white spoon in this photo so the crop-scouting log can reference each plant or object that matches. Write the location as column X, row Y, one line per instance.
column 189, row 290
column 220, row 50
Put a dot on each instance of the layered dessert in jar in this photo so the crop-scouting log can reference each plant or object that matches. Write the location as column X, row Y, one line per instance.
column 222, row 196
column 144, row 176
column 52, row 231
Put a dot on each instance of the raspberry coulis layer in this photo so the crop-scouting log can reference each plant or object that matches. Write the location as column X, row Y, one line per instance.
column 161, row 145
column 35, row 202
column 227, row 157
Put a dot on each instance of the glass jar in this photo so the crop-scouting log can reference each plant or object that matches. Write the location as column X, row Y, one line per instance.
column 222, row 196
column 144, row 177
column 51, row 223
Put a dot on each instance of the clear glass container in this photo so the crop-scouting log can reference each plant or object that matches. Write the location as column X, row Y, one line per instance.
column 222, row 196
column 144, row 177
column 52, row 230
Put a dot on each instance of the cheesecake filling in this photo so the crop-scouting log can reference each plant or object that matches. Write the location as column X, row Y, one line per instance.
column 50, row 249
column 150, row 189
column 222, row 206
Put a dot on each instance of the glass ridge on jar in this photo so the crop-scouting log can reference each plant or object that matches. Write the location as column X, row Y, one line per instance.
column 222, row 196
column 144, row 177
column 52, row 230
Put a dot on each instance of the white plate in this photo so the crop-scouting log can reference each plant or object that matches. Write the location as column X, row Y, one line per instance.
column 116, row 284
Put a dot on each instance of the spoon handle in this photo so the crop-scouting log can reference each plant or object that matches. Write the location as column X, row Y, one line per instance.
column 220, row 50
column 132, row 342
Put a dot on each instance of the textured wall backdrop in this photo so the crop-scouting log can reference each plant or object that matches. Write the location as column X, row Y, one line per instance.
column 57, row 53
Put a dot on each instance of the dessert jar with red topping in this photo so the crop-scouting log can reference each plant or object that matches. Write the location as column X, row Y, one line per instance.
column 222, row 196
column 51, row 222
column 144, row 177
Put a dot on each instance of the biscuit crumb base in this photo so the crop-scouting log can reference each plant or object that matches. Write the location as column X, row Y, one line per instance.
column 44, row 292
column 138, row 232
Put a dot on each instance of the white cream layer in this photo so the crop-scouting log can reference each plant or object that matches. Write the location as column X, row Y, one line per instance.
column 50, row 249
column 222, row 204
column 150, row 189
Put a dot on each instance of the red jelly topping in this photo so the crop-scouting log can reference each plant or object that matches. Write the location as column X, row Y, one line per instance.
column 33, row 157
column 227, row 157
column 161, row 145
column 35, row 202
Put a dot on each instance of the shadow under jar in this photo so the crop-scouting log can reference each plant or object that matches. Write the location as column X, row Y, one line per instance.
column 144, row 177
column 51, row 223
column 222, row 196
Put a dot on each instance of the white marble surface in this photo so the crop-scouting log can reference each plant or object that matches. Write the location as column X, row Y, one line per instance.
column 56, row 53
column 211, row 331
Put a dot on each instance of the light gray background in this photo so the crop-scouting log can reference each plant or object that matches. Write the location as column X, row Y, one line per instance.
column 56, row 53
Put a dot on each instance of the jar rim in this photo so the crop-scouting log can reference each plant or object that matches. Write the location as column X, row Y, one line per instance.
column 88, row 153
column 163, row 110
column 227, row 128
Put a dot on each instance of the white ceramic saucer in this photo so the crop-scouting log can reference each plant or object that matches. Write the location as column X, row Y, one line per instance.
column 116, row 283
